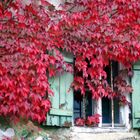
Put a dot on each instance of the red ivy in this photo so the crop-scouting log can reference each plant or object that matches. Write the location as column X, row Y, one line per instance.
column 79, row 122
column 90, row 120
column 93, row 120
column 33, row 35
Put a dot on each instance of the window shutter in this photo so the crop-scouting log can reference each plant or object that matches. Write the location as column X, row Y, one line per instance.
column 61, row 112
column 136, row 96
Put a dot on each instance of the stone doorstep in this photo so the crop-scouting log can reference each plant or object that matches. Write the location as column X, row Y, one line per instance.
column 104, row 136
column 81, row 133
column 98, row 129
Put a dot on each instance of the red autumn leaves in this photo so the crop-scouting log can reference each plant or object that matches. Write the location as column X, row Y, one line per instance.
column 32, row 38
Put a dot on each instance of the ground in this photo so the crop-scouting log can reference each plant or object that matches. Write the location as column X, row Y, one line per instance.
column 31, row 131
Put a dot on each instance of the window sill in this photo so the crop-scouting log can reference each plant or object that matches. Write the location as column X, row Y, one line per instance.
column 115, row 125
column 98, row 129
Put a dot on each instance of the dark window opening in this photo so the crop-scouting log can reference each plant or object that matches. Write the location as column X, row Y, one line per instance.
column 116, row 111
column 106, row 107
column 107, row 111
column 106, row 103
column 78, row 104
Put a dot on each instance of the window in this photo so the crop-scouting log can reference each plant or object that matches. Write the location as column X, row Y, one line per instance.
column 107, row 112
column 78, row 105
column 112, row 114
column 66, row 107
column 110, row 108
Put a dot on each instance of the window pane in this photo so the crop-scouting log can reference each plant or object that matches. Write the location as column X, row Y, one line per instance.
column 77, row 105
column 116, row 111
column 88, row 104
column 106, row 110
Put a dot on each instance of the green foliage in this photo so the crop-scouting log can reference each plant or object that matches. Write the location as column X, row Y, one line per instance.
column 25, row 133
column 28, row 131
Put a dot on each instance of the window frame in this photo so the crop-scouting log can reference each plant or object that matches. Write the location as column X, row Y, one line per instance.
column 123, row 110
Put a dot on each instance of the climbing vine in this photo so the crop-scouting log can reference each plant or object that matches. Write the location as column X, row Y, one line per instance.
column 33, row 35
